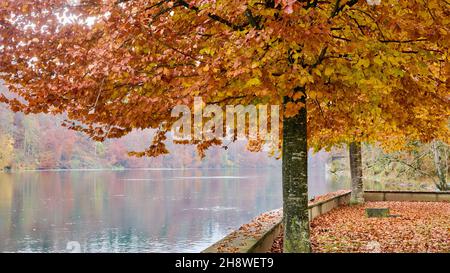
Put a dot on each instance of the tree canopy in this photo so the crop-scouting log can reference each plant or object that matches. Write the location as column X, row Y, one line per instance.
column 369, row 71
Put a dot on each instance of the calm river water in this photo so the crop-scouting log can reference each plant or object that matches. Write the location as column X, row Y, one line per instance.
column 157, row 210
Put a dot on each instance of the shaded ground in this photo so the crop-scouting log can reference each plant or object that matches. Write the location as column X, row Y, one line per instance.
column 417, row 227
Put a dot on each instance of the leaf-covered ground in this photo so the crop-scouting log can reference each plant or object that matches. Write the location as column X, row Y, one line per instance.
column 415, row 227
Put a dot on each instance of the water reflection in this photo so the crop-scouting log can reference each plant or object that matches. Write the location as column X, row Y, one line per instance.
column 129, row 211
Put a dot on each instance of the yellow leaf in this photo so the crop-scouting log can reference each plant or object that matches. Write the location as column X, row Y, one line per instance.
column 328, row 71
column 378, row 60
column 253, row 82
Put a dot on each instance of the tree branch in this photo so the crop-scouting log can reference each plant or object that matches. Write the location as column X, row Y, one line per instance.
column 404, row 41
column 215, row 17
column 338, row 8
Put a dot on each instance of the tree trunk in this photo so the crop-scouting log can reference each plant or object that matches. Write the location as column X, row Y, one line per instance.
column 441, row 166
column 295, row 184
column 357, row 196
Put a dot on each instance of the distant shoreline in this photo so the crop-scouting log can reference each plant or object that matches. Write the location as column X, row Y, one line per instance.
column 128, row 169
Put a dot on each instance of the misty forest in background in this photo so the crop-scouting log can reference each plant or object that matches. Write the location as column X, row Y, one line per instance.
column 39, row 142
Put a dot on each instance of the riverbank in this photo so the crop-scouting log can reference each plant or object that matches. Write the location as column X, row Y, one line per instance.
column 16, row 170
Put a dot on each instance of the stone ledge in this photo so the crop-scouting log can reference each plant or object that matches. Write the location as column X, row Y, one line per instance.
column 414, row 196
column 254, row 237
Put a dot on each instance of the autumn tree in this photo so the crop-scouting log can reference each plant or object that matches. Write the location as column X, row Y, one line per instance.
column 363, row 72
column 418, row 161
column 6, row 152
column 441, row 162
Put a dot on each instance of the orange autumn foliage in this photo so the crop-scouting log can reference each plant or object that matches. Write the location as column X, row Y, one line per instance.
column 371, row 73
